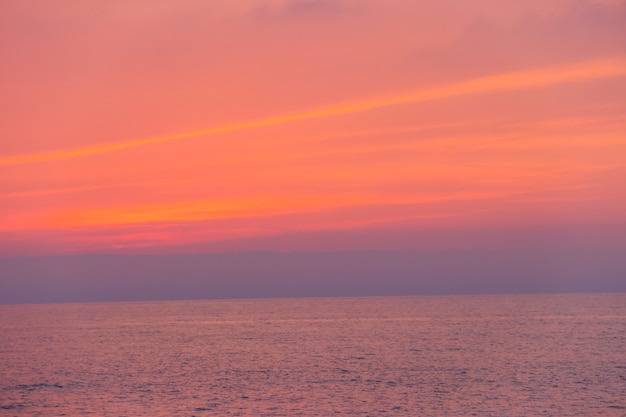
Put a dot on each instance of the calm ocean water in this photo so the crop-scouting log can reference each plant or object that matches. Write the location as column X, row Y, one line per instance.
column 529, row 355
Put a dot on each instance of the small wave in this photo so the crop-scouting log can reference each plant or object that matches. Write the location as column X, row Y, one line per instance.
column 11, row 406
column 32, row 387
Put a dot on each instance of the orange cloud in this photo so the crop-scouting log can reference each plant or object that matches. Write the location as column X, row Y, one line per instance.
column 232, row 208
column 506, row 82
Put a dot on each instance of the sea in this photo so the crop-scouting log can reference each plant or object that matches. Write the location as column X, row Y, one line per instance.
column 496, row 355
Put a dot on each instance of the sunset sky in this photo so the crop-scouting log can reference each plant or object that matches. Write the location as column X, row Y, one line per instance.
column 161, row 127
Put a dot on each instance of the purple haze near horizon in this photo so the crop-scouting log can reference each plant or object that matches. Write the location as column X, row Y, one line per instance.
column 91, row 278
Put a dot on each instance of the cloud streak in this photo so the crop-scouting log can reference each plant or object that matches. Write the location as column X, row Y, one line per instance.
column 598, row 69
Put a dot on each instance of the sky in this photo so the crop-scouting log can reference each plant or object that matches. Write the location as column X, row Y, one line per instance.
column 162, row 129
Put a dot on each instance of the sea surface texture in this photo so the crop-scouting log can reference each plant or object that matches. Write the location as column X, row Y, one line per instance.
column 527, row 355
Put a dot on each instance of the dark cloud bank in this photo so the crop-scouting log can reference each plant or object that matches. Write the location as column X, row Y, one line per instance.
column 80, row 278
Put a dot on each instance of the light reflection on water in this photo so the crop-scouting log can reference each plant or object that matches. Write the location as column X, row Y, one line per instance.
column 555, row 355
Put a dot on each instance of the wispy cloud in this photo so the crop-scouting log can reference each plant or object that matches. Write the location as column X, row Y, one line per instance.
column 504, row 82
